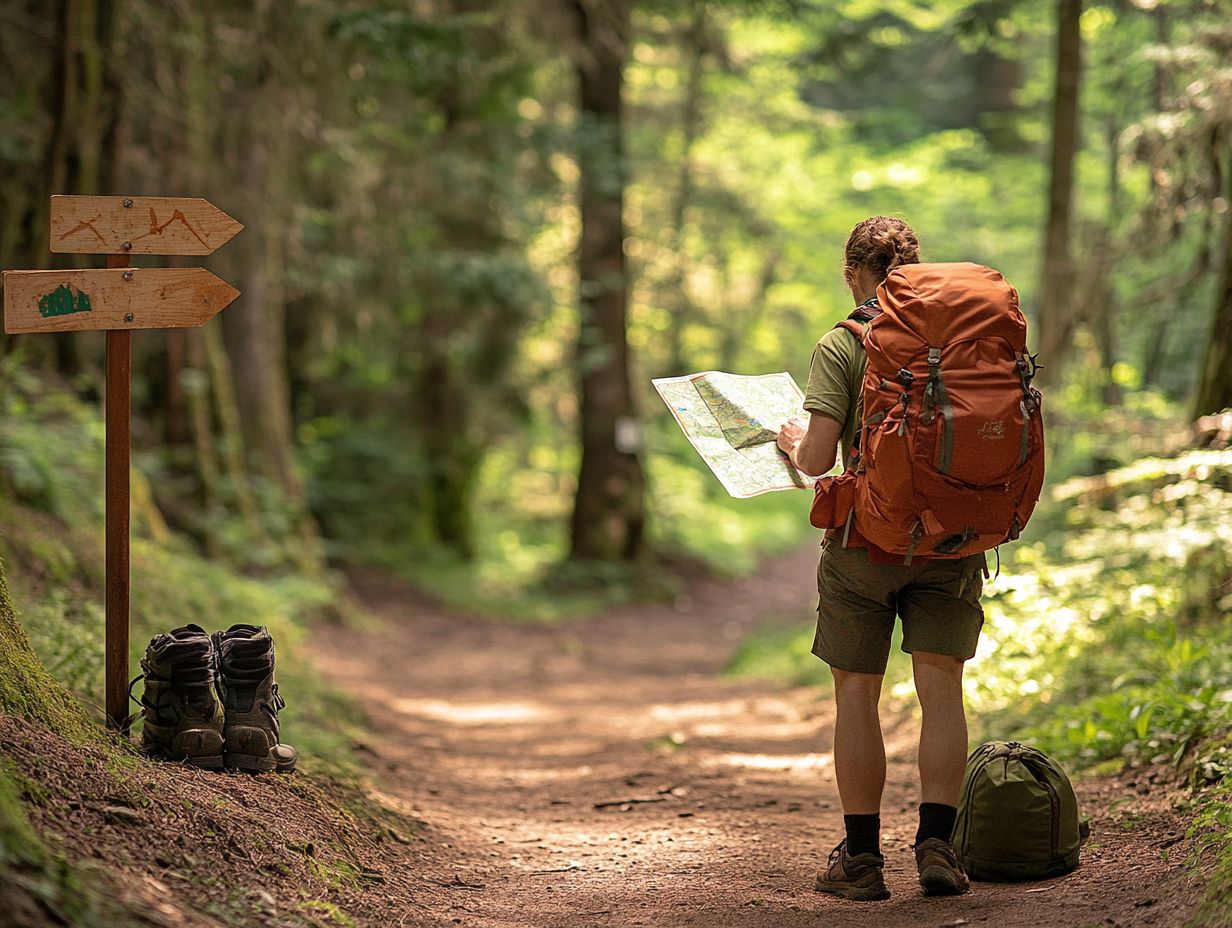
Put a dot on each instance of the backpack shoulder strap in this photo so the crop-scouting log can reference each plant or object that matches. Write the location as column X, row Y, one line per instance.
column 858, row 329
column 858, row 324
column 861, row 318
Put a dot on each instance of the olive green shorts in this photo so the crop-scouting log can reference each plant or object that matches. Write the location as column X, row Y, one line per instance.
column 939, row 602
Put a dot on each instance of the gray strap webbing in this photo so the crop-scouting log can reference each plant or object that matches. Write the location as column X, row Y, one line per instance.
column 1026, row 432
column 947, row 411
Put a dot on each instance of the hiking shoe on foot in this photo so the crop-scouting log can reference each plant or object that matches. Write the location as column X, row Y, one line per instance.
column 940, row 872
column 252, row 700
column 856, row 877
column 182, row 712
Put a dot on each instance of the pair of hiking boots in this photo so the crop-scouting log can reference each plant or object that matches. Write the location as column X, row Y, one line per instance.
column 211, row 700
column 859, row 876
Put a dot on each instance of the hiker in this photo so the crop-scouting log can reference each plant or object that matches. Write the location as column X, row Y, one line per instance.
column 863, row 587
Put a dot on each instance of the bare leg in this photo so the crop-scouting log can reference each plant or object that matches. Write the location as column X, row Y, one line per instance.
column 859, row 752
column 943, row 734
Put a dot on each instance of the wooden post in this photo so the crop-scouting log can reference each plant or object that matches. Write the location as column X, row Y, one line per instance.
column 119, row 426
column 118, row 300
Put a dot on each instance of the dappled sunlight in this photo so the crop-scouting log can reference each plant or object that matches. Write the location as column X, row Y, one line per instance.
column 457, row 713
column 794, row 763
column 515, row 774
column 679, row 712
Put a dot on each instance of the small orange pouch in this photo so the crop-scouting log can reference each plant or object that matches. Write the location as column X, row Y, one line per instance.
column 833, row 500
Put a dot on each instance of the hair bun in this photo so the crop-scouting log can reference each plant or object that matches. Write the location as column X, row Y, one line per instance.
column 880, row 244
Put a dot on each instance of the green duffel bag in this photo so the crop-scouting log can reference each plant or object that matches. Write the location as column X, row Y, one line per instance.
column 1018, row 815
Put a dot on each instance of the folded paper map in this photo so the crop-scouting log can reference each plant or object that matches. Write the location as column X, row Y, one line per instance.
column 733, row 420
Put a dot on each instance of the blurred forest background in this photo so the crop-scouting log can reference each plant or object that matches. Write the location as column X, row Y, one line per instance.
column 475, row 231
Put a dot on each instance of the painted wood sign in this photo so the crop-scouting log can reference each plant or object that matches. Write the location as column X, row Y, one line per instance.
column 139, row 226
column 119, row 298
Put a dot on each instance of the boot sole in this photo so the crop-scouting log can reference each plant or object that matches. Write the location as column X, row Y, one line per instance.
column 938, row 881
column 854, row 893
column 249, row 763
column 205, row 763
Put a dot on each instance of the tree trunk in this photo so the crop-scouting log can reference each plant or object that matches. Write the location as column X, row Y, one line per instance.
column 452, row 458
column 1056, row 284
column 676, row 291
column 1102, row 306
column 609, row 509
column 63, row 345
column 232, row 439
column 195, row 387
column 253, row 327
column 1214, row 389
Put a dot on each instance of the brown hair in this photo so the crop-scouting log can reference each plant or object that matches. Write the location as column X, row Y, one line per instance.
column 881, row 243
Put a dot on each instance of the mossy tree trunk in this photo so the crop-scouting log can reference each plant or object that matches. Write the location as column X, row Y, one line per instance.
column 26, row 688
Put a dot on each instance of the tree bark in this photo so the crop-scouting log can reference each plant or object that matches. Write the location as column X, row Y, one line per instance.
column 690, row 126
column 1056, row 284
column 1102, row 299
column 253, row 328
column 1214, row 388
column 609, row 508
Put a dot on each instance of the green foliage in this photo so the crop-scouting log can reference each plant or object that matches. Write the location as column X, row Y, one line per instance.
column 1212, row 833
column 41, row 422
column 1108, row 639
column 51, row 470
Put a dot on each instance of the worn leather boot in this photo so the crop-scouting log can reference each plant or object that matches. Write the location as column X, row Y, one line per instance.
column 940, row 872
column 181, row 708
column 857, row 876
column 246, row 666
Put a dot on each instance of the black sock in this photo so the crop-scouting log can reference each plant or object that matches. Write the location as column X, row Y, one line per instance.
column 863, row 833
column 936, row 821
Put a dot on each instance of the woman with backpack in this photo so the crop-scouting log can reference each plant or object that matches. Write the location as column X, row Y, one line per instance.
column 863, row 587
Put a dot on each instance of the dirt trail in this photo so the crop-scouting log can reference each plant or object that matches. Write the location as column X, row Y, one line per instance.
column 718, row 797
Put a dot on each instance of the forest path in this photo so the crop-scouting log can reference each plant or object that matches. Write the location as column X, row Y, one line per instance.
column 505, row 739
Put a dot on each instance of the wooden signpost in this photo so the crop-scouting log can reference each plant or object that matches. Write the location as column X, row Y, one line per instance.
column 118, row 300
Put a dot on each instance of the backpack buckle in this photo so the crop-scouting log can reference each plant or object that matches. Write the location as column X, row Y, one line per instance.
column 954, row 542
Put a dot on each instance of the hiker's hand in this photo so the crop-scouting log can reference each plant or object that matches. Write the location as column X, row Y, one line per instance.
column 790, row 433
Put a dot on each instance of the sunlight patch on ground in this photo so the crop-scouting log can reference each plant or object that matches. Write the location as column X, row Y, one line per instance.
column 501, row 775
column 679, row 712
column 504, row 713
column 796, row 763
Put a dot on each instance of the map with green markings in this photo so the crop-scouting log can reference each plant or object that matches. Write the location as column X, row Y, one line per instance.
column 733, row 420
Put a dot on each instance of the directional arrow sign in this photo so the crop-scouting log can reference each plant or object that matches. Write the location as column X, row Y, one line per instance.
column 139, row 225
column 120, row 298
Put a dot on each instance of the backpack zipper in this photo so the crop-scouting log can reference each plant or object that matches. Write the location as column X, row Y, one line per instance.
column 1054, row 801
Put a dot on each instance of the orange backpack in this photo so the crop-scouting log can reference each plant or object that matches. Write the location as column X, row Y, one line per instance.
column 949, row 458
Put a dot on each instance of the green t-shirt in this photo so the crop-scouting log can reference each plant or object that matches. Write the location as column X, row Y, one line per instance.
column 836, row 377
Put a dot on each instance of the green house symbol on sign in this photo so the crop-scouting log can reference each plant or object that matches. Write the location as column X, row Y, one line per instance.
column 63, row 301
